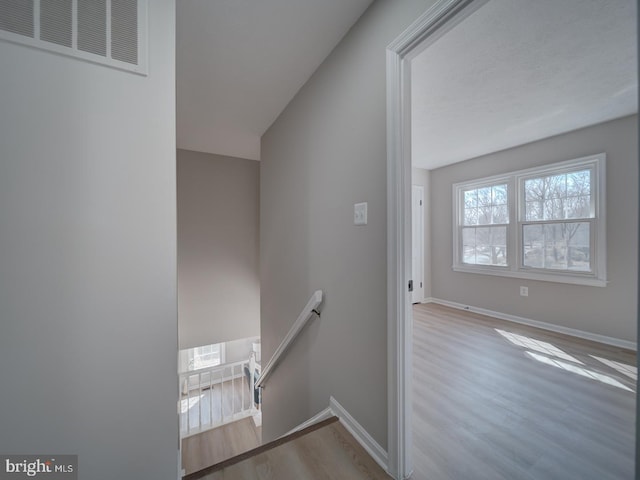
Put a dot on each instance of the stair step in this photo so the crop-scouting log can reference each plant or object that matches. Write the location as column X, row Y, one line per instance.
column 322, row 451
column 258, row 450
column 213, row 446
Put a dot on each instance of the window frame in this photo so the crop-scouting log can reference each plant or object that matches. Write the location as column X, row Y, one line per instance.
column 516, row 207
column 459, row 223
column 193, row 354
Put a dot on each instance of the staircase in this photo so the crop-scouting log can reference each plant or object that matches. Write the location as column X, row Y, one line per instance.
column 322, row 451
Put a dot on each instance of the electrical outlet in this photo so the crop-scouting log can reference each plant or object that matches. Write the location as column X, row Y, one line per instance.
column 524, row 291
column 360, row 213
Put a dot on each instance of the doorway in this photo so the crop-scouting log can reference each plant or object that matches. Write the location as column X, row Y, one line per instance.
column 432, row 25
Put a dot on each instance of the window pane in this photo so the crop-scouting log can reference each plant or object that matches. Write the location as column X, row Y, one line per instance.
column 485, row 245
column 534, row 210
column 557, row 246
column 469, row 237
column 484, row 216
column 499, row 236
column 206, row 356
column 533, row 189
column 470, row 216
column 470, row 198
column 558, row 197
column 578, row 207
column 499, row 195
column 500, row 214
column 484, row 196
column 469, row 255
column 556, row 186
column 554, row 209
column 486, row 206
column 579, row 183
column 532, row 246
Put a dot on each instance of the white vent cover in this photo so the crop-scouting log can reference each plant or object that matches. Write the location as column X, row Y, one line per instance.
column 110, row 32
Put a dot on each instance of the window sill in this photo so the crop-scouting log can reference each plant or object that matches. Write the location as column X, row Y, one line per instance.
column 527, row 275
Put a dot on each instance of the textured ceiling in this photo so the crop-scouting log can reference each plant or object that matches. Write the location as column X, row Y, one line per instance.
column 239, row 62
column 517, row 71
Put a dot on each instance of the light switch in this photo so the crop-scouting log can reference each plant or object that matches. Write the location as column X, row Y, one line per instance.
column 360, row 213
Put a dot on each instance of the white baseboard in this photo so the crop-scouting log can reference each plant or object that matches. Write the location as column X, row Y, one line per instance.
column 257, row 419
column 181, row 471
column 367, row 442
column 317, row 418
column 616, row 342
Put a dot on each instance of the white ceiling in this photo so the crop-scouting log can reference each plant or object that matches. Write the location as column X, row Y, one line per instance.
column 517, row 71
column 239, row 62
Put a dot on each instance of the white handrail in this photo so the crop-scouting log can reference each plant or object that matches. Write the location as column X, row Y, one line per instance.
column 301, row 321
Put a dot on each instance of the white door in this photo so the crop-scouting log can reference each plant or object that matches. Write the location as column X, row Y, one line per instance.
column 417, row 242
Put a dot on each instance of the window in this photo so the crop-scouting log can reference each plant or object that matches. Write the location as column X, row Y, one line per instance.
column 546, row 223
column 202, row 357
column 207, row 356
column 484, row 225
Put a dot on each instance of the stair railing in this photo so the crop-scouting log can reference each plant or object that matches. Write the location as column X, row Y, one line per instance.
column 309, row 310
column 213, row 396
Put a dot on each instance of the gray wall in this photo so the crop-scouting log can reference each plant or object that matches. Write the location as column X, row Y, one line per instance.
column 88, row 316
column 609, row 310
column 420, row 176
column 325, row 152
column 218, row 220
column 239, row 350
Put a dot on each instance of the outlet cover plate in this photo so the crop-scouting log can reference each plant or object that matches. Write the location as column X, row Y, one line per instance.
column 360, row 213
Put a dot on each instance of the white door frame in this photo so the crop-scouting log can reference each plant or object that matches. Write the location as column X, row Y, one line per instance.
column 399, row 320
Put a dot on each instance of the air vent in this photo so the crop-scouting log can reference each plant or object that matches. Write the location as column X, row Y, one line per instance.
column 16, row 16
column 110, row 32
column 124, row 30
column 92, row 27
column 56, row 25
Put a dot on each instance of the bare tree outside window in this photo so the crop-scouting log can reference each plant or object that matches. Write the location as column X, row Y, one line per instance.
column 551, row 239
column 544, row 223
column 484, row 232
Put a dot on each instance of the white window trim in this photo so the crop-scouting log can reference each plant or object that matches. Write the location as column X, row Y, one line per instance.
column 188, row 357
column 458, row 207
column 514, row 267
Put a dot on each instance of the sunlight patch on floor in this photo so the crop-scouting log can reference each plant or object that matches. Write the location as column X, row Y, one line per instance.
column 188, row 403
column 578, row 370
column 628, row 370
column 537, row 346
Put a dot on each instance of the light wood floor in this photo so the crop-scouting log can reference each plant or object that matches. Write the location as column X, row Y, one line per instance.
column 219, row 444
column 329, row 453
column 496, row 400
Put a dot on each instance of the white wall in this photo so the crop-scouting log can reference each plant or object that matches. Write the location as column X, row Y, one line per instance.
column 610, row 310
column 88, row 329
column 239, row 350
column 218, row 221
column 325, row 152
